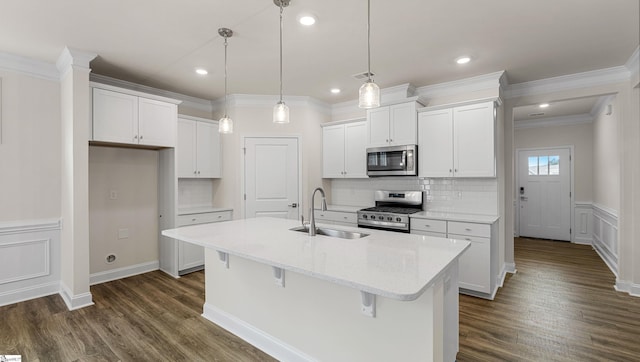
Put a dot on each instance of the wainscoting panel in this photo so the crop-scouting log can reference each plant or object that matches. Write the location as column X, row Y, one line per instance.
column 29, row 260
column 605, row 235
column 583, row 223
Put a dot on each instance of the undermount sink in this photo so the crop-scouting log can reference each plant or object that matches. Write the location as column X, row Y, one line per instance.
column 331, row 232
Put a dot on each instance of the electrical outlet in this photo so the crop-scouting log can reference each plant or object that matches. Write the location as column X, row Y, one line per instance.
column 113, row 195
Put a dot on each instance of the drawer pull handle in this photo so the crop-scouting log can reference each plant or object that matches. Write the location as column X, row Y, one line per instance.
column 467, row 239
column 193, row 219
column 467, row 229
column 219, row 216
column 427, row 225
column 344, row 217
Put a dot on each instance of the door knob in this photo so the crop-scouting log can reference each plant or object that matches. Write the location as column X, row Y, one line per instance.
column 523, row 198
column 294, row 205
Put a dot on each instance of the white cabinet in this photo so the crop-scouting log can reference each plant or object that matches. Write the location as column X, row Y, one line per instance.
column 457, row 141
column 336, row 217
column 198, row 148
column 478, row 265
column 121, row 117
column 191, row 257
column 392, row 125
column 344, row 150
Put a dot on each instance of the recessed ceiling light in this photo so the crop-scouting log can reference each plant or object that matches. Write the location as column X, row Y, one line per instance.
column 463, row 60
column 335, row 90
column 202, row 71
column 544, row 105
column 307, row 19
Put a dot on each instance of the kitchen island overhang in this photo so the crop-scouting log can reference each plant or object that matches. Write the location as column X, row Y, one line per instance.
column 385, row 296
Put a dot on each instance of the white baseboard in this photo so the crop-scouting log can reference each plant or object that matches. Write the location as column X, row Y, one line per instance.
column 628, row 287
column 256, row 337
column 502, row 276
column 32, row 292
column 76, row 301
column 510, row 268
column 582, row 241
column 115, row 274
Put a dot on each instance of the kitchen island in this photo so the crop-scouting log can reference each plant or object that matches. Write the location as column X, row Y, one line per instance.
column 386, row 296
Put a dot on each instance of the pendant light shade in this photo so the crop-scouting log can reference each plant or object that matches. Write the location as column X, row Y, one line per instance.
column 280, row 110
column 369, row 95
column 225, row 125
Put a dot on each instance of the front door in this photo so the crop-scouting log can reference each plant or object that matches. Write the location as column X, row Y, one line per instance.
column 544, row 193
column 271, row 177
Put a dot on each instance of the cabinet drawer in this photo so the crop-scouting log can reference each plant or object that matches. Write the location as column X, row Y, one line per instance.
column 469, row 229
column 337, row 216
column 434, row 226
column 207, row 217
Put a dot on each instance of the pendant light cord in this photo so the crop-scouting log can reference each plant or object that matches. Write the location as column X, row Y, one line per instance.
column 369, row 39
column 225, row 77
column 281, row 11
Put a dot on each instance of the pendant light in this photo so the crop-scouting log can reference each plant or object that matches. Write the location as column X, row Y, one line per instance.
column 280, row 110
column 225, row 125
column 369, row 94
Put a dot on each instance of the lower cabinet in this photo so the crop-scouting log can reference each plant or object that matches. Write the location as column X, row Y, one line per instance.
column 478, row 266
column 183, row 258
column 344, row 218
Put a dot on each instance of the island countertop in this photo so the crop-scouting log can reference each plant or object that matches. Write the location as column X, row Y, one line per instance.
column 390, row 264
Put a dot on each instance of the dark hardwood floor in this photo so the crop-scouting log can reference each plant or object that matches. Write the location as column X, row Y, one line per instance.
column 560, row 306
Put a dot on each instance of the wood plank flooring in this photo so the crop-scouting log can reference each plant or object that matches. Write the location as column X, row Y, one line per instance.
column 560, row 306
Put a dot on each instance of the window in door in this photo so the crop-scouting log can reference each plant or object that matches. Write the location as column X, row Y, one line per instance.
column 544, row 165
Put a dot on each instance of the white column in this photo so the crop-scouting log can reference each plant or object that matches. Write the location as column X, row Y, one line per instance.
column 75, row 102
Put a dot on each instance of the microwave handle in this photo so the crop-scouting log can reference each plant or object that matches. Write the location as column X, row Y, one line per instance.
column 404, row 158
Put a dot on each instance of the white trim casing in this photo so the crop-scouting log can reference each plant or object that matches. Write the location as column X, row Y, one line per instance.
column 627, row 287
column 124, row 272
column 254, row 336
column 75, row 301
column 583, row 223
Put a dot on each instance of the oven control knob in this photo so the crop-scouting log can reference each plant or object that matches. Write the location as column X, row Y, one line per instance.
column 398, row 219
column 364, row 216
column 380, row 217
column 389, row 218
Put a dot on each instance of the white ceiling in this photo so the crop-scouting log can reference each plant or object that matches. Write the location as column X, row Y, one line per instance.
column 159, row 43
column 557, row 109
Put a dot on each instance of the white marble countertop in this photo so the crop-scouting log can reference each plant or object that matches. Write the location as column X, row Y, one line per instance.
column 390, row 264
column 201, row 210
column 453, row 216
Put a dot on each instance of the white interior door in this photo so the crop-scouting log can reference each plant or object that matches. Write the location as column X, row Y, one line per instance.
column 544, row 193
column 271, row 177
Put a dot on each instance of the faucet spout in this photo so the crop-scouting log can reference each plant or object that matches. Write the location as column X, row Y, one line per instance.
column 312, row 216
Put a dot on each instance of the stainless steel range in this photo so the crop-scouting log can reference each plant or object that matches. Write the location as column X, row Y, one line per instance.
column 392, row 210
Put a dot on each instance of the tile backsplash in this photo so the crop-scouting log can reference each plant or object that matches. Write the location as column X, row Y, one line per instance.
column 195, row 193
column 476, row 196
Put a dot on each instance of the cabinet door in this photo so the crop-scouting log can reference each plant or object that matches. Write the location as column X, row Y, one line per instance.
column 475, row 264
column 190, row 256
column 474, row 146
column 378, row 125
column 435, row 143
column 355, row 150
column 402, row 124
column 186, row 148
column 157, row 123
column 208, row 150
column 333, row 151
column 115, row 117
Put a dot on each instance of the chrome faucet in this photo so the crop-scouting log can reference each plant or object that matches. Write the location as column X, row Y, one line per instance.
column 312, row 217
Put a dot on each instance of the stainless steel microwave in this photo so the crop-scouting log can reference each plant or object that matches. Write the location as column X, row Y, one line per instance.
column 392, row 161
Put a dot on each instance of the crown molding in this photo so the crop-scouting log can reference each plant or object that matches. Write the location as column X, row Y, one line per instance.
column 487, row 81
column 28, row 66
column 633, row 64
column 200, row 104
column 74, row 59
column 568, row 82
column 599, row 105
column 554, row 121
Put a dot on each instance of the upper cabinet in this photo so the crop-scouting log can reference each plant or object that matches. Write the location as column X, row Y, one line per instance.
column 344, row 150
column 198, row 149
column 457, row 141
column 392, row 125
column 127, row 117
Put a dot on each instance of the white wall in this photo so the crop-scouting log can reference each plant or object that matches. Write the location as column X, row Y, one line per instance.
column 132, row 174
column 580, row 136
column 606, row 157
column 30, row 149
column 256, row 120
